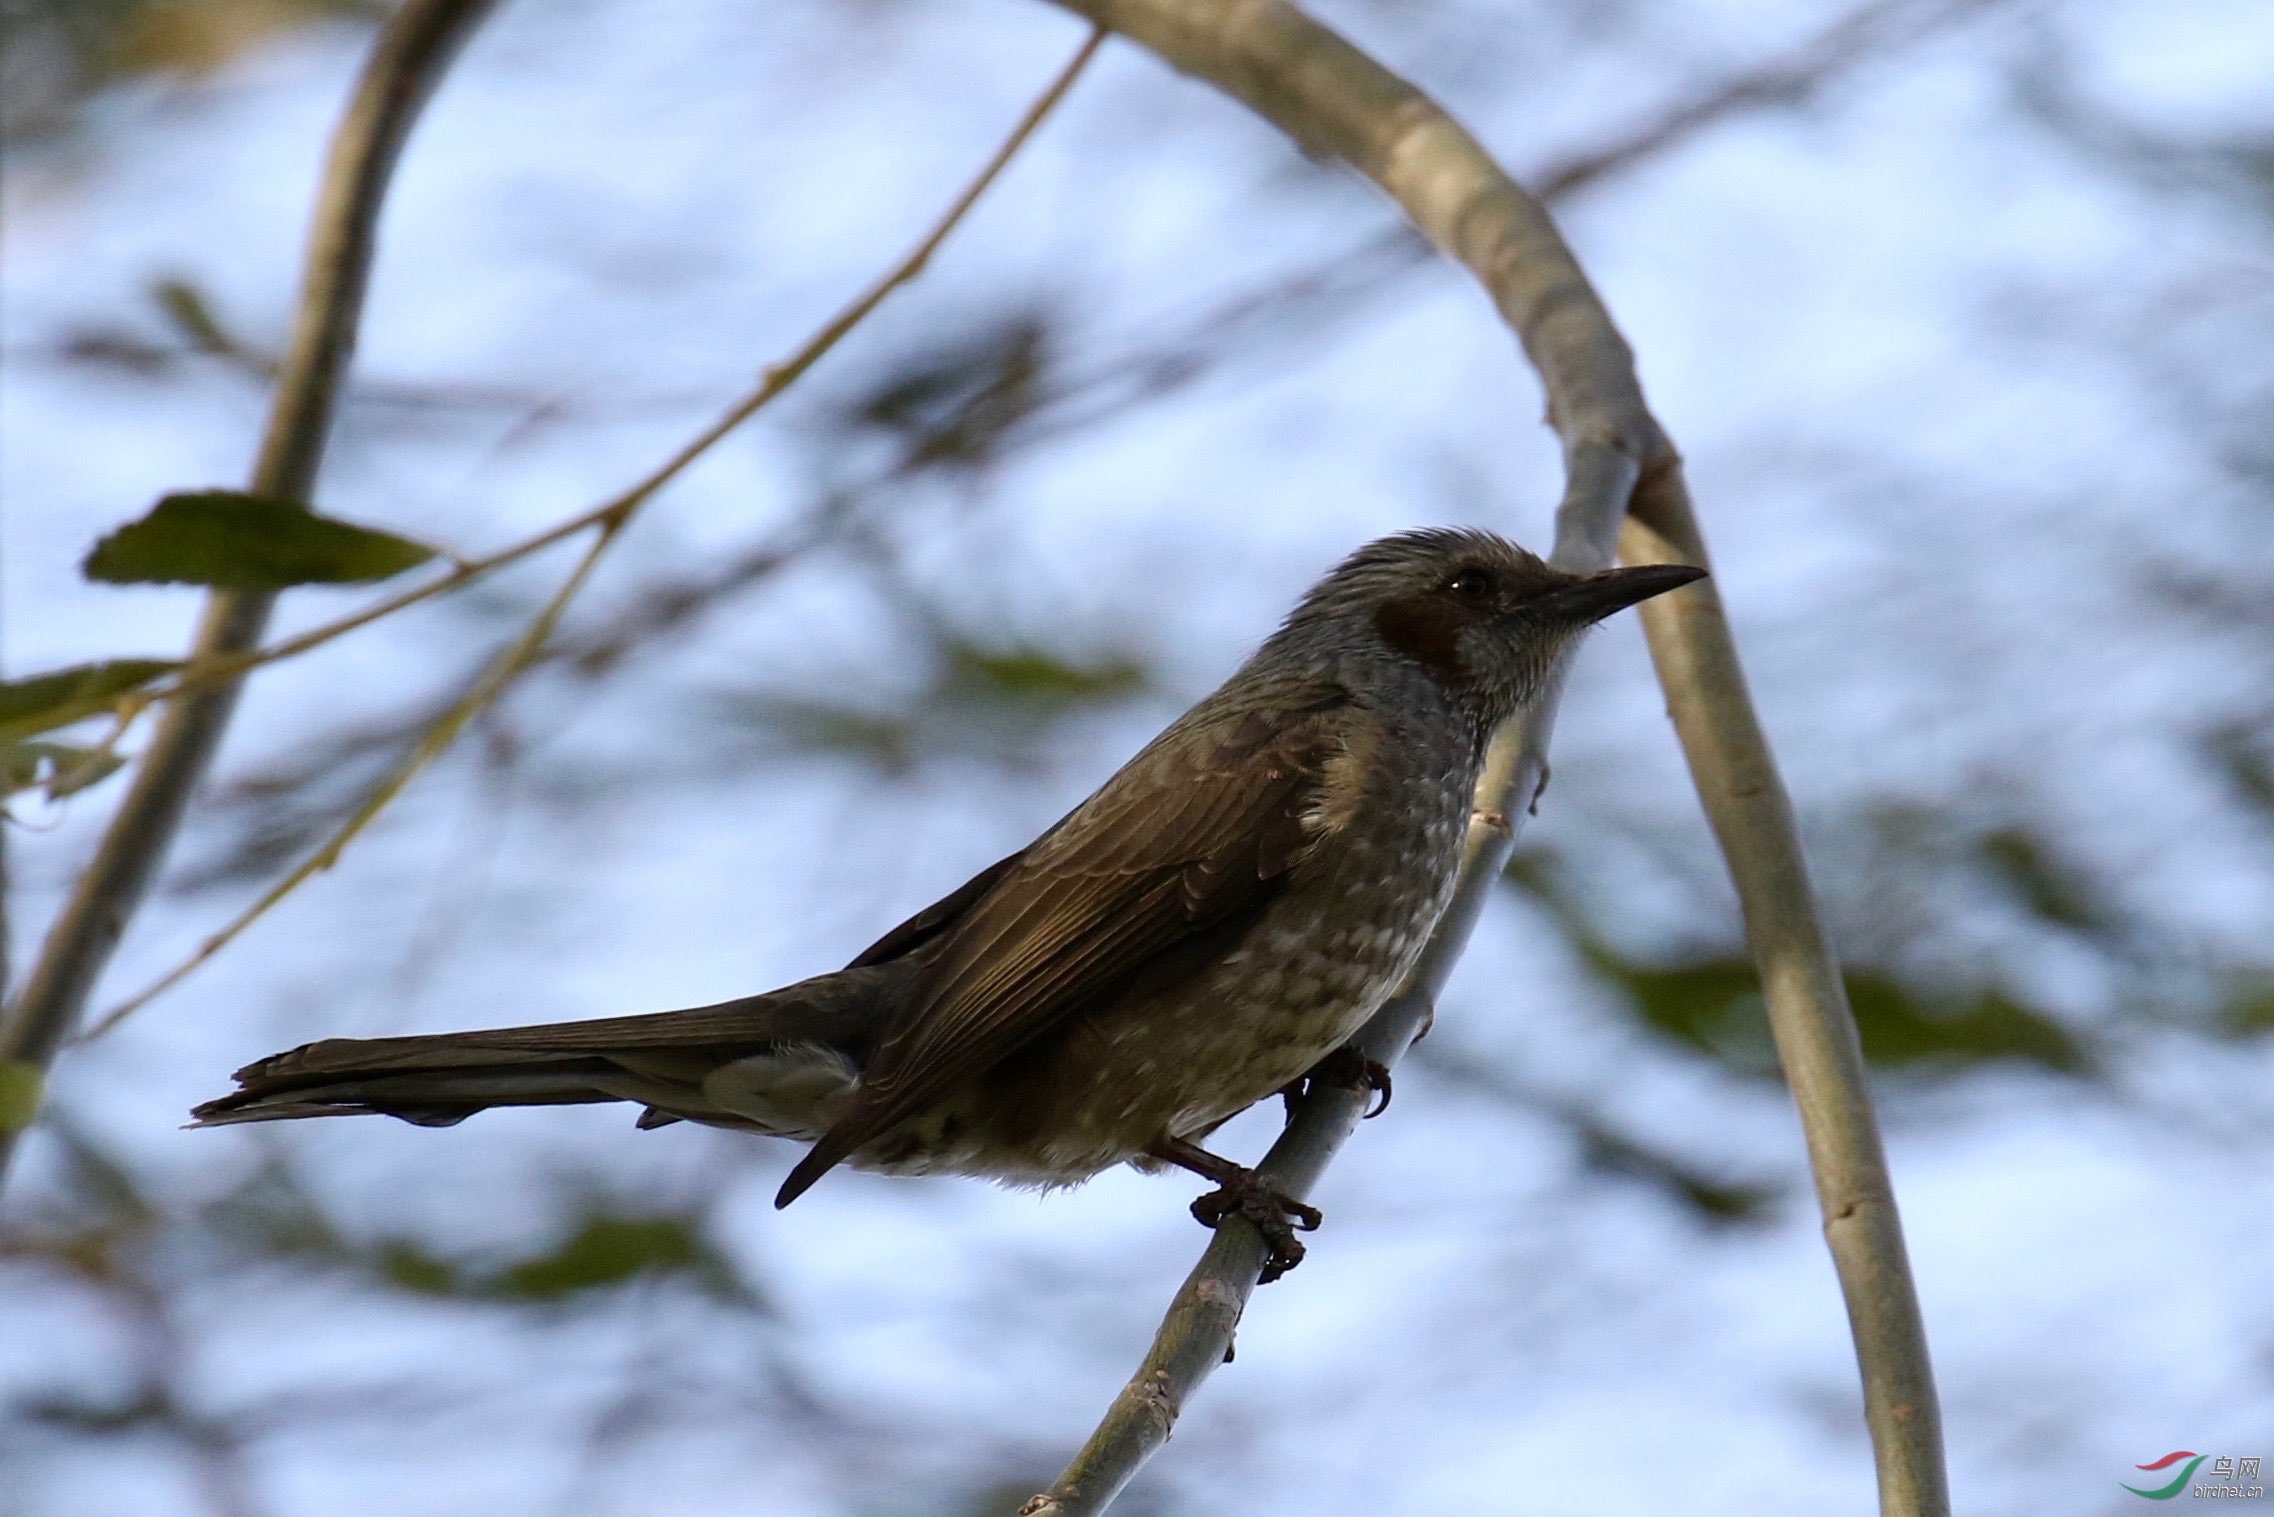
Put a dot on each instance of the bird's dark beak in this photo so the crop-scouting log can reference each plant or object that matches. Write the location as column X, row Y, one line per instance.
column 1591, row 599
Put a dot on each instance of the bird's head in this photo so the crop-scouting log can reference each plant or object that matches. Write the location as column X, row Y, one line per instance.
column 1468, row 609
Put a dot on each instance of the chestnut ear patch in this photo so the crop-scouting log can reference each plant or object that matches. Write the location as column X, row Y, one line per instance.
column 1427, row 629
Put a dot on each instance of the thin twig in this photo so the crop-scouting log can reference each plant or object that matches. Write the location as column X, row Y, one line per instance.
column 594, row 652
column 414, row 49
column 1340, row 103
column 1869, row 31
column 609, row 519
column 486, row 687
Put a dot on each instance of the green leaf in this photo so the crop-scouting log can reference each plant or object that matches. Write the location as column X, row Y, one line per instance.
column 185, row 306
column 1031, row 676
column 802, row 726
column 606, row 1251
column 1712, row 1198
column 2248, row 1009
column 2241, row 753
column 69, row 695
column 1716, row 1007
column 20, row 1084
column 2052, row 889
column 234, row 541
column 1899, row 1027
column 956, row 408
column 410, row 1268
column 60, row 769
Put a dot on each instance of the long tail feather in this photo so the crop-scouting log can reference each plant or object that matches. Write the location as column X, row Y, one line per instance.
column 659, row 1059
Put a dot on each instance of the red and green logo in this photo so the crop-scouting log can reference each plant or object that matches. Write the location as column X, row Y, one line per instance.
column 2178, row 1481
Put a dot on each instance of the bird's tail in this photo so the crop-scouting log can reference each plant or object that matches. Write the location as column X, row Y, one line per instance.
column 666, row 1060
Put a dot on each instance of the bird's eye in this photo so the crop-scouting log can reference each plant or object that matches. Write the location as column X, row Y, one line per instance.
column 1471, row 584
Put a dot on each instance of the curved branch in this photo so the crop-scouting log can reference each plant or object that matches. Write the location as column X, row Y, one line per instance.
column 1338, row 102
column 413, row 51
column 1809, row 1018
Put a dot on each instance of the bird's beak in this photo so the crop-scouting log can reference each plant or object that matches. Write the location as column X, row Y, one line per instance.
column 1589, row 600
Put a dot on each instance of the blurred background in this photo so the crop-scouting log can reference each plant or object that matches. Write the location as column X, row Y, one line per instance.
column 1963, row 312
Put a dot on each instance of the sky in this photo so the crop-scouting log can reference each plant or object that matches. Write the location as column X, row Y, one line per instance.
column 1966, row 349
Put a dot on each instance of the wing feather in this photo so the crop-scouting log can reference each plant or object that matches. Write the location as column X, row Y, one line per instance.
column 1199, row 831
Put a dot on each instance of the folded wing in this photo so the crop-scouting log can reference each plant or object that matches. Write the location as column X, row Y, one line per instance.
column 1191, row 841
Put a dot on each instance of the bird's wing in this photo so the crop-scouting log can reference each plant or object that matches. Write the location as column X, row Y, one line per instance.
column 1194, row 838
column 936, row 918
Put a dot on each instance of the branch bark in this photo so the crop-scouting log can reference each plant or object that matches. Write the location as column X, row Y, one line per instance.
column 1339, row 103
column 413, row 51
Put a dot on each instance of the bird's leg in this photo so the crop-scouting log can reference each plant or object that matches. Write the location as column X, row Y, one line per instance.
column 1273, row 1212
column 1345, row 1066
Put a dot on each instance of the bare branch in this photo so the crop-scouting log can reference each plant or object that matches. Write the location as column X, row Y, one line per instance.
column 413, row 51
column 1815, row 1031
column 1339, row 103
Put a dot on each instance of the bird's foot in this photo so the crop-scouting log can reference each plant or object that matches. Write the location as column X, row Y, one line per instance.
column 1241, row 1191
column 1270, row 1210
column 1346, row 1067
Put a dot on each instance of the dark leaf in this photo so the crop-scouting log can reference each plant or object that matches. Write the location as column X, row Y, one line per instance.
column 1606, row 1147
column 103, row 347
column 410, row 1268
column 954, row 408
column 244, row 542
column 1026, row 675
column 2248, row 1011
column 99, row 1417
column 1714, row 1004
column 1708, row 1197
column 796, row 725
column 607, row 1251
column 1714, row 1200
column 100, row 1180
column 2244, row 759
column 1899, row 1027
column 59, row 769
column 2050, row 887
column 28, row 706
column 1716, row 1007
column 185, row 306
column 270, row 1214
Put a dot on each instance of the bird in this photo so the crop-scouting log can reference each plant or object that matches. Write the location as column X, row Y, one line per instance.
column 1208, row 928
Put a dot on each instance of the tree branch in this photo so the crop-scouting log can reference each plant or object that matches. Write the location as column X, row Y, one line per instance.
column 1809, row 1017
column 414, row 49
column 1337, row 102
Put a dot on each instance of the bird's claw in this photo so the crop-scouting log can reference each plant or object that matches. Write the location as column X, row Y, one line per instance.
column 1346, row 1066
column 1270, row 1210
